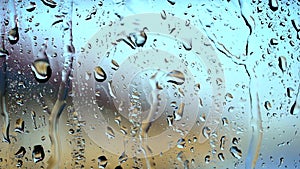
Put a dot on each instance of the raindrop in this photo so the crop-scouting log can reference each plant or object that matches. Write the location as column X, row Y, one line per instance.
column 295, row 109
column 41, row 70
column 179, row 113
column 13, row 35
column 110, row 133
column 222, row 142
column 172, row 2
column 228, row 97
column 235, row 152
column 268, row 105
column 225, row 121
column 273, row 5
column 207, row 159
column 31, row 7
column 19, row 126
column 38, row 153
column 181, row 143
column 170, row 120
column 221, row 156
column 163, row 15
column 102, row 162
column 235, row 141
column 115, row 65
column 99, row 74
column 290, row 92
column 282, row 63
column 274, row 41
column 19, row 163
column 175, row 77
column 206, row 132
column 50, row 3
column 139, row 39
column 21, row 152
column 123, row 157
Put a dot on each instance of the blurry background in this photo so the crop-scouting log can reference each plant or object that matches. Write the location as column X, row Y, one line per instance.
column 256, row 43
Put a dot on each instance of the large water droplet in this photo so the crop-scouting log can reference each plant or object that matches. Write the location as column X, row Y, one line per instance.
column 273, row 5
column 282, row 63
column 181, row 143
column 41, row 70
column 206, row 132
column 99, row 74
column 221, row 156
column 102, row 162
column 38, row 153
column 176, row 77
column 207, row 159
column 236, row 152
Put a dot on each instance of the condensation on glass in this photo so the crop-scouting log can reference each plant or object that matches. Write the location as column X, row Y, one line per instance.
column 149, row 84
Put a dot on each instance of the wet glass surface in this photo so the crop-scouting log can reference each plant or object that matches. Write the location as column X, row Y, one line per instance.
column 149, row 84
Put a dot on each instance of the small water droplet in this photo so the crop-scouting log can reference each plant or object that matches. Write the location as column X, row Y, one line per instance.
column 175, row 77
column 228, row 97
column 115, row 65
column 179, row 113
column 102, row 162
column 19, row 163
column 282, row 63
column 295, row 109
column 50, row 3
column 170, row 119
column 99, row 74
column 41, row 70
column 225, row 121
column 13, row 35
column 163, row 15
column 236, row 152
column 110, row 133
column 274, row 41
column 19, row 126
column 206, row 132
column 31, row 6
column 222, row 142
column 38, row 153
column 21, row 152
column 172, row 2
column 207, row 159
column 181, row 143
column 290, row 92
column 123, row 158
column 235, row 141
column 268, row 105
column 221, row 156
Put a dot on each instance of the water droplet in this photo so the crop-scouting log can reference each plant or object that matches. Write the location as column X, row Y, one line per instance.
column 38, row 153
column 207, row 159
column 99, row 74
column 235, row 141
column 21, row 152
column 206, row 132
column 115, row 65
column 282, row 63
column 13, row 35
column 221, row 156
column 175, row 77
column 273, row 5
column 50, row 3
column 290, row 92
column 41, row 70
column 170, row 120
column 139, row 39
column 225, row 121
column 268, row 105
column 19, row 163
column 181, row 143
column 123, row 158
column 222, row 142
column 102, row 162
column 274, row 41
column 118, row 167
column 179, row 113
column 163, row 15
column 19, row 126
column 31, row 6
column 228, row 97
column 235, row 152
column 295, row 109
column 172, row 2
column 110, row 133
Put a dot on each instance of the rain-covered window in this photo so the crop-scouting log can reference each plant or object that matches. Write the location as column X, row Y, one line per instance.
column 149, row 84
